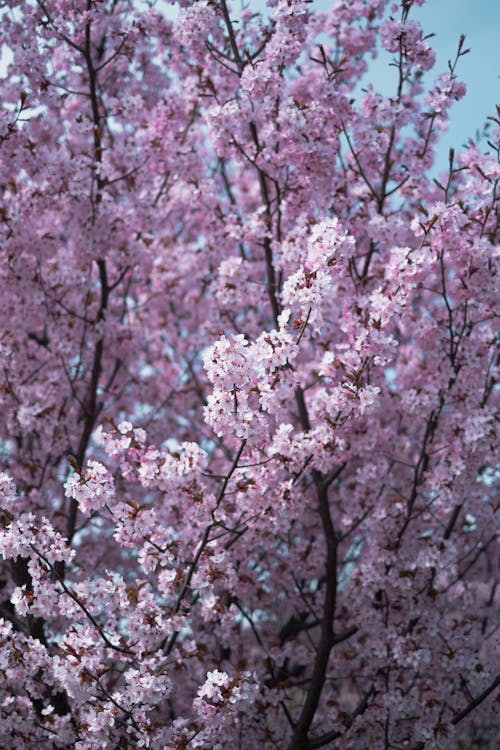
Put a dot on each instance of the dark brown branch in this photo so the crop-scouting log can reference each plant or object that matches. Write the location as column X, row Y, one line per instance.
column 476, row 702
column 77, row 601
column 201, row 547
column 335, row 734
column 232, row 37
column 452, row 521
column 327, row 638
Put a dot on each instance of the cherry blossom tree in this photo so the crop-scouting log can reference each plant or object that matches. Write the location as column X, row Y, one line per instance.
column 248, row 380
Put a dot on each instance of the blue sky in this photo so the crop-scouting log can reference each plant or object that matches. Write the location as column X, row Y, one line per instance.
column 479, row 20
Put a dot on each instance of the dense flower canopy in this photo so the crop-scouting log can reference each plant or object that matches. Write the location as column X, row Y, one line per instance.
column 248, row 349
